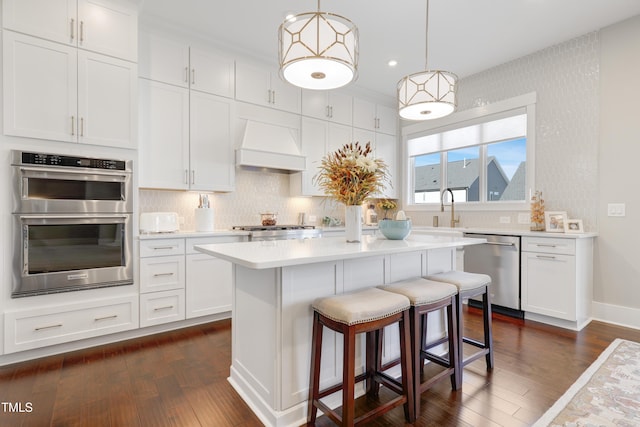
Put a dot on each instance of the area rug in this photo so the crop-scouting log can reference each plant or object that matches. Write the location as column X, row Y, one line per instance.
column 606, row 394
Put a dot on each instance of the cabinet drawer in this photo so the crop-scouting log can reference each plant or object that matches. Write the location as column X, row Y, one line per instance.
column 161, row 307
column 161, row 247
column 191, row 242
column 41, row 327
column 549, row 245
column 161, row 273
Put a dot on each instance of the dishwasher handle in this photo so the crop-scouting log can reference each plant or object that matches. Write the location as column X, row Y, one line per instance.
column 501, row 244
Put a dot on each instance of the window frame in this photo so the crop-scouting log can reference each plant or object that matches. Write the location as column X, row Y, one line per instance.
column 517, row 105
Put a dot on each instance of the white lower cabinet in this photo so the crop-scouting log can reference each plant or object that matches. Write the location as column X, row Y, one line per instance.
column 161, row 307
column 557, row 279
column 177, row 282
column 44, row 326
column 162, row 281
column 209, row 281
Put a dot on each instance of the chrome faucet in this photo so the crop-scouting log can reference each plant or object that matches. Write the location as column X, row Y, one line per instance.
column 453, row 220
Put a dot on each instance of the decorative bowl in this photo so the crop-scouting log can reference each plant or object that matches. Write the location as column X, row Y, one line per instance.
column 394, row 229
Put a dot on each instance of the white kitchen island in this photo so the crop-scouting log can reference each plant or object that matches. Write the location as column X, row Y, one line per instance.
column 275, row 283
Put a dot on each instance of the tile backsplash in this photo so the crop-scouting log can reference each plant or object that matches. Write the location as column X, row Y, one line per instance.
column 256, row 192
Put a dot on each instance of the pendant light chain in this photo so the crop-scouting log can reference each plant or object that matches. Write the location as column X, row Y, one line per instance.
column 426, row 38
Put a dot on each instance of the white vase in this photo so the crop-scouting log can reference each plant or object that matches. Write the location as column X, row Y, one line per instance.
column 353, row 222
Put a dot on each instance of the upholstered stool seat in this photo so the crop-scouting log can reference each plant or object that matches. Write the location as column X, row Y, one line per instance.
column 365, row 311
column 472, row 285
column 426, row 296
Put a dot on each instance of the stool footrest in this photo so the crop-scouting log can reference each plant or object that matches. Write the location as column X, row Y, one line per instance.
column 335, row 388
column 390, row 382
column 473, row 342
column 436, row 359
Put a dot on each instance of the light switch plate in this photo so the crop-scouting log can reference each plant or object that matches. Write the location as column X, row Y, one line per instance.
column 524, row 218
column 505, row 220
column 616, row 209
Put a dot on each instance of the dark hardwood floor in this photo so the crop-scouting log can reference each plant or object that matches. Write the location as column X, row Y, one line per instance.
column 180, row 379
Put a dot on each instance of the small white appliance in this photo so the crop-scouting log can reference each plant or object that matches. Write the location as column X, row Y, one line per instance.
column 159, row 222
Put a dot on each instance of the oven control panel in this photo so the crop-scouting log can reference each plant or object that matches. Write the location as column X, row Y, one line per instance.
column 71, row 161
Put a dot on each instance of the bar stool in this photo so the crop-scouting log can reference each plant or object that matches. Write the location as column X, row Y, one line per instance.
column 427, row 296
column 365, row 311
column 471, row 285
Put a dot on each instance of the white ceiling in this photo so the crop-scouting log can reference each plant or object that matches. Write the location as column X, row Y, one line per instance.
column 465, row 36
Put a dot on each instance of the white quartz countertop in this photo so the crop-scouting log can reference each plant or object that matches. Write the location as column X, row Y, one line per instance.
column 186, row 234
column 282, row 253
column 503, row 232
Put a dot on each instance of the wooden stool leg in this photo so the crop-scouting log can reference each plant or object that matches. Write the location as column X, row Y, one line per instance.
column 314, row 381
column 413, row 362
column 374, row 342
column 488, row 334
column 454, row 353
column 349, row 377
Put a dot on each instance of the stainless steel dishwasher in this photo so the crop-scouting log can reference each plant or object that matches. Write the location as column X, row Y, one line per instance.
column 500, row 259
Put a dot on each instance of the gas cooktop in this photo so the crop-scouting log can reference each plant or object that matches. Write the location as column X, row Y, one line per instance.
column 272, row 227
column 280, row 232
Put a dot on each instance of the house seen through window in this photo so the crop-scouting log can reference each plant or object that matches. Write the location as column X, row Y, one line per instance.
column 483, row 162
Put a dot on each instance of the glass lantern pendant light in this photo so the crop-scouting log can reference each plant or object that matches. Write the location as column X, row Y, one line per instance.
column 318, row 50
column 429, row 94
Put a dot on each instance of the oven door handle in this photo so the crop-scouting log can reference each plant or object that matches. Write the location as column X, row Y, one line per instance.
column 99, row 174
column 78, row 219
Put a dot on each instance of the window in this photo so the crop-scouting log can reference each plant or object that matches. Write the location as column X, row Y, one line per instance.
column 485, row 156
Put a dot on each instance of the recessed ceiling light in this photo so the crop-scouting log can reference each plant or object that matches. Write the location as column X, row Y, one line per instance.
column 290, row 17
column 392, row 63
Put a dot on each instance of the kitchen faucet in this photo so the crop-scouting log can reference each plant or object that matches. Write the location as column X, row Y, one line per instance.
column 453, row 220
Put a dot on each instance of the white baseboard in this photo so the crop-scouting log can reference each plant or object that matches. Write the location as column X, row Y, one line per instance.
column 616, row 314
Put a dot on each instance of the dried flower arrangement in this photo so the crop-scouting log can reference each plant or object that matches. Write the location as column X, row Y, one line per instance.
column 537, row 212
column 387, row 205
column 350, row 175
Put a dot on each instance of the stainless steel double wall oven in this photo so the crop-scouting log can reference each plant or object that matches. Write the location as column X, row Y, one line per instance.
column 72, row 223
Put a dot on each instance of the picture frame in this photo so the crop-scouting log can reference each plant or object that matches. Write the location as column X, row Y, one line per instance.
column 573, row 226
column 554, row 221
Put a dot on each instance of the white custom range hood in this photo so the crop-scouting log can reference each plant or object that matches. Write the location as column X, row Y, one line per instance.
column 269, row 146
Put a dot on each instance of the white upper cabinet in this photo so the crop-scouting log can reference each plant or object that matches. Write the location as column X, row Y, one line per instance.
column 57, row 92
column 33, row 67
column 103, row 26
column 107, row 100
column 333, row 106
column 169, row 61
column 164, row 136
column 371, row 116
column 257, row 84
column 211, row 72
column 185, row 139
column 211, row 152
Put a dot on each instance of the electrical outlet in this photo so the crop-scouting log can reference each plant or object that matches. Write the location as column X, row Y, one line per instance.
column 524, row 218
column 181, row 220
column 312, row 219
column 505, row 220
column 616, row 209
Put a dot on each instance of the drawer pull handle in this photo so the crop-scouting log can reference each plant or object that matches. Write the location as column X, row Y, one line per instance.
column 162, row 274
column 98, row 319
column 545, row 245
column 42, row 328
column 166, row 307
column 163, row 248
column 545, row 256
